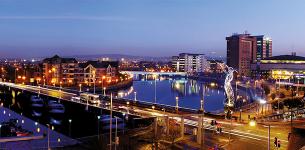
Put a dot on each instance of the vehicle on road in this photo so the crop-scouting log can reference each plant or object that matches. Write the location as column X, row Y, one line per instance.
column 75, row 99
column 90, row 98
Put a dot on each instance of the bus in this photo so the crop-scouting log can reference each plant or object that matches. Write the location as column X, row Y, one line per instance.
column 90, row 98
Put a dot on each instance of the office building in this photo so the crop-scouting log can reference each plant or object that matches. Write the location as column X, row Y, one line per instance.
column 245, row 49
column 190, row 63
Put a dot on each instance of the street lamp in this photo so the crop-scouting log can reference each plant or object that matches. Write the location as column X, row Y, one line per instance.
column 98, row 126
column 104, row 88
column 135, row 96
column 93, row 72
column 262, row 102
column 298, row 87
column 16, row 74
column 201, row 105
column 177, row 100
column 70, row 122
column 60, row 85
column 236, row 85
column 110, row 129
column 103, row 77
column 116, row 142
column 48, row 132
column 155, row 77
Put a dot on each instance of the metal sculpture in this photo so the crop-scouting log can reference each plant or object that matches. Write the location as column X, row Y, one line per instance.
column 229, row 102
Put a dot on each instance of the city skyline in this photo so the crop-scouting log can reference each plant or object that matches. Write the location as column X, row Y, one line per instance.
column 144, row 28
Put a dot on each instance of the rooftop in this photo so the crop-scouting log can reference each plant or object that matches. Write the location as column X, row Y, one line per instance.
column 286, row 57
column 100, row 64
column 57, row 59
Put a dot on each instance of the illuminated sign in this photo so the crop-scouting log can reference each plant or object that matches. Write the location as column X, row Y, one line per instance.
column 281, row 74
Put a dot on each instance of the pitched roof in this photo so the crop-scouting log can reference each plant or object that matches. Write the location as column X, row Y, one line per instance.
column 100, row 64
column 58, row 59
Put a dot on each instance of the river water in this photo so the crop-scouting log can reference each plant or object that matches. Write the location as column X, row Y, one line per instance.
column 164, row 90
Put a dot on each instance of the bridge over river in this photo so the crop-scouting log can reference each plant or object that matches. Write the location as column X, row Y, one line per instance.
column 185, row 117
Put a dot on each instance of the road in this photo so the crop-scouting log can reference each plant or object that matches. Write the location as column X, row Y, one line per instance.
column 242, row 132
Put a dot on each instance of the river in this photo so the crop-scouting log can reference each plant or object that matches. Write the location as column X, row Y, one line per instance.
column 164, row 90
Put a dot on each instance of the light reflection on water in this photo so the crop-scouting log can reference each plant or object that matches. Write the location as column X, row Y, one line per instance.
column 165, row 90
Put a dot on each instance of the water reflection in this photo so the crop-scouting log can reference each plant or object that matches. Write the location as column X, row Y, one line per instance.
column 166, row 89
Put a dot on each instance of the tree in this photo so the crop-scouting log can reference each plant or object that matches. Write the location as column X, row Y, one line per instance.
column 266, row 89
column 273, row 95
column 282, row 95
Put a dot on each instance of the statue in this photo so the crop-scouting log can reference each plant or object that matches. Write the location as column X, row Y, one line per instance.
column 229, row 102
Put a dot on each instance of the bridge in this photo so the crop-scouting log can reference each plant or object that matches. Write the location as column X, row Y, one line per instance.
column 154, row 73
column 184, row 118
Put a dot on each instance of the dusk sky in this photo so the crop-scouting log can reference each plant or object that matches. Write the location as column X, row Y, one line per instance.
column 31, row 28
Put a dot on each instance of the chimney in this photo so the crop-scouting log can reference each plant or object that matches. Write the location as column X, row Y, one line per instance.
column 293, row 53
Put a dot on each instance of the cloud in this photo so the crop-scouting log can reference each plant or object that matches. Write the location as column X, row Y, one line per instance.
column 93, row 18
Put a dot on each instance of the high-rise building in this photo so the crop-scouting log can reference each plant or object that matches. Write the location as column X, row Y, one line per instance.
column 264, row 47
column 190, row 63
column 244, row 49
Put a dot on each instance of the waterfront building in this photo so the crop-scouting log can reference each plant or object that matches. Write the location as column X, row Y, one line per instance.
column 190, row 63
column 57, row 70
column 216, row 66
column 245, row 49
column 99, row 71
column 284, row 67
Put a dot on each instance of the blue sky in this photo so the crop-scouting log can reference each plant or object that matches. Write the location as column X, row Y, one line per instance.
column 31, row 28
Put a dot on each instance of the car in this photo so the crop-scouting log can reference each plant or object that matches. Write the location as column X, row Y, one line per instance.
column 75, row 99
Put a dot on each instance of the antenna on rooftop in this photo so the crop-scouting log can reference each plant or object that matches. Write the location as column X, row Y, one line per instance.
column 246, row 32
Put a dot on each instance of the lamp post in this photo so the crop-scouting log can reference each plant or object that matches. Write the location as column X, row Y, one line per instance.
column 155, row 77
column 236, row 86
column 93, row 81
column 201, row 105
column 116, row 133
column 70, row 122
column 298, row 87
column 177, row 103
column 103, row 77
column 16, row 74
column 60, row 85
column 48, row 133
column 104, row 88
column 98, row 126
column 110, row 129
column 269, row 137
column 135, row 96
column 262, row 102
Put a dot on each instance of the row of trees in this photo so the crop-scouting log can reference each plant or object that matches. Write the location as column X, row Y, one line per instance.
column 290, row 103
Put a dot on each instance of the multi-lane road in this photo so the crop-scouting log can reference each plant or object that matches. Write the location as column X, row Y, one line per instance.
column 242, row 133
